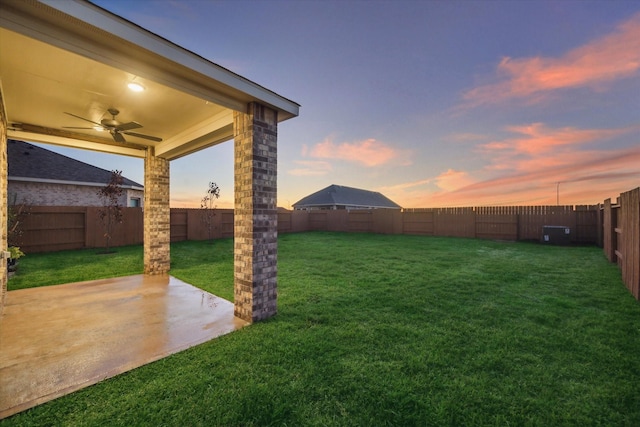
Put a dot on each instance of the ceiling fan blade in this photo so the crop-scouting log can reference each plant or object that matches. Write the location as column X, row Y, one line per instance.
column 117, row 136
column 128, row 126
column 82, row 118
column 139, row 135
column 74, row 127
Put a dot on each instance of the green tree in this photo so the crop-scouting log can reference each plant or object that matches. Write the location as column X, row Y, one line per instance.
column 207, row 204
column 110, row 213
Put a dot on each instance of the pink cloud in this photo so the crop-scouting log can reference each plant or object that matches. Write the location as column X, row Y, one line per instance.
column 537, row 140
column 587, row 179
column 612, row 57
column 310, row 168
column 369, row 152
column 526, row 169
column 408, row 192
column 452, row 180
column 406, row 185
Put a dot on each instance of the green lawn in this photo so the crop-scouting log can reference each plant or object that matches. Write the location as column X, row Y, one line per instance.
column 379, row 330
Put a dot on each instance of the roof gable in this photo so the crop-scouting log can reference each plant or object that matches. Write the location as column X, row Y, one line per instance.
column 30, row 161
column 338, row 195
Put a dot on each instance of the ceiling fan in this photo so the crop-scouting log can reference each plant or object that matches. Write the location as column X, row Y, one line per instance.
column 114, row 127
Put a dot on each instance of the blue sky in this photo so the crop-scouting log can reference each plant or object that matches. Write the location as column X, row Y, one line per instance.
column 432, row 103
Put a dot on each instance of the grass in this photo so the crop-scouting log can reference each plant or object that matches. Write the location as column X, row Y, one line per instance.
column 387, row 330
column 55, row 268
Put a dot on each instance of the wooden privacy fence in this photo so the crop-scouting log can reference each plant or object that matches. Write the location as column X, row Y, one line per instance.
column 54, row 228
column 191, row 224
column 621, row 237
column 510, row 223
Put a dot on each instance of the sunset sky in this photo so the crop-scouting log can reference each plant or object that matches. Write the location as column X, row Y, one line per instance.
column 432, row 103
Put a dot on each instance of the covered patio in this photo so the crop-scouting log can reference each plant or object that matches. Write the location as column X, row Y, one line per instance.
column 66, row 73
column 59, row 339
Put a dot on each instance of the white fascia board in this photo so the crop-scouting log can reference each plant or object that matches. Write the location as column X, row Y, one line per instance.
column 205, row 141
column 121, row 28
column 59, row 181
column 217, row 129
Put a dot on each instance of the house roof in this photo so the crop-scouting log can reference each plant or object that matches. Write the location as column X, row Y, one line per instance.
column 28, row 162
column 339, row 195
column 65, row 64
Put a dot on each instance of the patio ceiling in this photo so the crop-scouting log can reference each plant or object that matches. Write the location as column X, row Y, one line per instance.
column 60, row 57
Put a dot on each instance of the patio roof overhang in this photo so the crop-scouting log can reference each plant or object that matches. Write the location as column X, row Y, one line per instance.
column 72, row 56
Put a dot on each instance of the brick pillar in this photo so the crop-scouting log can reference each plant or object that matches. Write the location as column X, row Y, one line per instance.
column 157, row 215
column 3, row 203
column 255, row 215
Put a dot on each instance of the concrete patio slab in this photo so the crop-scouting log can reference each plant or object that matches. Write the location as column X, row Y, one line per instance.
column 58, row 339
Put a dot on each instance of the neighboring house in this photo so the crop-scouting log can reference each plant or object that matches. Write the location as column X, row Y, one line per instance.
column 340, row 197
column 40, row 177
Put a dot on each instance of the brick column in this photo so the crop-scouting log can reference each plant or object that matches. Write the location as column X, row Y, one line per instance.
column 157, row 215
column 3, row 203
column 255, row 216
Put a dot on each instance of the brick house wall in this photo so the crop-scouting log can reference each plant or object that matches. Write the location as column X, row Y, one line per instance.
column 58, row 194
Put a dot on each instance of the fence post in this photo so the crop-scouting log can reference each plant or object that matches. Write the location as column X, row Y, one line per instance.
column 609, row 232
column 629, row 244
column 599, row 226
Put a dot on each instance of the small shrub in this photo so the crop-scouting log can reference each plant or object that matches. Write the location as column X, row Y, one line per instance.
column 110, row 213
column 208, row 207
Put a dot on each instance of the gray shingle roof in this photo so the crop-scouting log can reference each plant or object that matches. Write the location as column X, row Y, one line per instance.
column 30, row 161
column 338, row 195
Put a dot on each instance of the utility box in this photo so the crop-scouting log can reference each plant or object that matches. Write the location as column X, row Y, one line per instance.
column 556, row 235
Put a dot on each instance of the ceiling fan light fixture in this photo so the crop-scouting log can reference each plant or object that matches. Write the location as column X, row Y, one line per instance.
column 136, row 87
column 114, row 127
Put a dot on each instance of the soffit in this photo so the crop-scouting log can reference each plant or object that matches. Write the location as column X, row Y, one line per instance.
column 76, row 60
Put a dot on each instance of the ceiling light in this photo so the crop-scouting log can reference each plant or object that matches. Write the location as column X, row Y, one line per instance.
column 136, row 87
